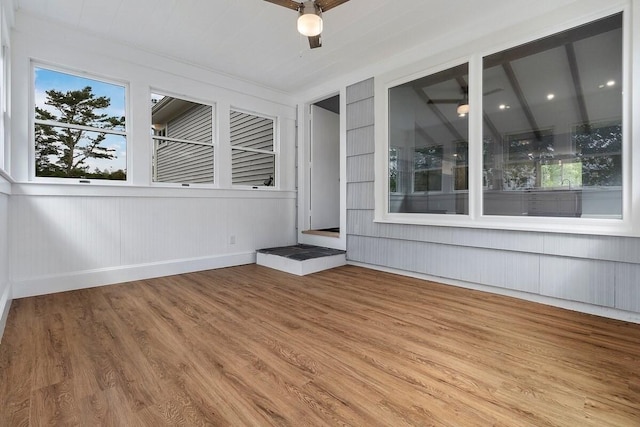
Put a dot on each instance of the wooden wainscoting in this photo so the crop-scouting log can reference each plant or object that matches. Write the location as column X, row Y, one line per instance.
column 349, row 346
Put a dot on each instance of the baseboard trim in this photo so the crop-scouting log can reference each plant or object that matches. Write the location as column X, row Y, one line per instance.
column 109, row 276
column 5, row 305
column 596, row 310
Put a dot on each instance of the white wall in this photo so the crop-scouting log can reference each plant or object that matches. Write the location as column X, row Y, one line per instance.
column 5, row 288
column 67, row 236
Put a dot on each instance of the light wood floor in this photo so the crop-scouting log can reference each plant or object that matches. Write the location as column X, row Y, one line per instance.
column 350, row 346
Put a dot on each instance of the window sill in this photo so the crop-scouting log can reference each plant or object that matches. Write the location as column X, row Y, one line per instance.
column 569, row 225
column 153, row 191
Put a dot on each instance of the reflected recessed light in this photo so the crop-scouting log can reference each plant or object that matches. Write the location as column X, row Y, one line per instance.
column 462, row 115
column 502, row 106
column 611, row 83
column 601, row 86
column 550, row 96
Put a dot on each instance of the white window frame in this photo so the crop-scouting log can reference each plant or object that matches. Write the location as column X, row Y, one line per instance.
column 32, row 122
column 275, row 152
column 5, row 90
column 474, row 53
column 214, row 142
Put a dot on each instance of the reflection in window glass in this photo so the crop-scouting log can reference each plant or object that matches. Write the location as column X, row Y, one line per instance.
column 79, row 127
column 428, row 144
column 182, row 140
column 553, row 125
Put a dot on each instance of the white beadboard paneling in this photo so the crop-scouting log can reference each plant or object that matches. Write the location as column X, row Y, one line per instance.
column 361, row 141
column 575, row 279
column 275, row 223
column 5, row 287
column 360, row 91
column 163, row 229
column 91, row 278
column 64, row 234
column 628, row 287
column 360, row 114
column 360, row 168
column 68, row 242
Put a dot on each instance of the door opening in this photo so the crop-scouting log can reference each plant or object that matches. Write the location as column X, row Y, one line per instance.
column 324, row 165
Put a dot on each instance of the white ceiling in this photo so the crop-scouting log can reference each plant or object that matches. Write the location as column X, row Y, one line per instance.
column 258, row 41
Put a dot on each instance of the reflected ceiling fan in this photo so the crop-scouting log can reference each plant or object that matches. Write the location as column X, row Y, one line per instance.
column 310, row 16
column 463, row 104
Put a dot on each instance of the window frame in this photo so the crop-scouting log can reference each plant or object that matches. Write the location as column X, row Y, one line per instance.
column 474, row 54
column 5, row 90
column 126, row 133
column 214, row 142
column 275, row 152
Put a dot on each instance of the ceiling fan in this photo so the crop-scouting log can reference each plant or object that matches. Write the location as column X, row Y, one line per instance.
column 463, row 103
column 310, row 16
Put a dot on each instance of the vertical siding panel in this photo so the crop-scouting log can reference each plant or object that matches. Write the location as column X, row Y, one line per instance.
column 360, row 114
column 578, row 280
column 628, row 287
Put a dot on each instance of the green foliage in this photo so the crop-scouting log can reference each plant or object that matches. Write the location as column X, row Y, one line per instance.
column 63, row 151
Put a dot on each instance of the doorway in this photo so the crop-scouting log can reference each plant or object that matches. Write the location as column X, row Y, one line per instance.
column 324, row 168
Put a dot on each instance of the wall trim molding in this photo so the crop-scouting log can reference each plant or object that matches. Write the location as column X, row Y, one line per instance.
column 109, row 276
column 5, row 305
column 596, row 310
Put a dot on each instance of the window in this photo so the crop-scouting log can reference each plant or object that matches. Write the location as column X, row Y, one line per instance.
column 428, row 131
column 182, row 134
column 253, row 158
column 544, row 148
column 79, row 127
column 553, row 125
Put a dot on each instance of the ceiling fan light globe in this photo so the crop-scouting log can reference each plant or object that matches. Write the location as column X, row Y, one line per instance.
column 309, row 24
column 463, row 109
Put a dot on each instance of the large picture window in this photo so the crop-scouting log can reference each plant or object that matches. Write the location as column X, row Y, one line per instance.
column 253, row 157
column 183, row 149
column 428, row 133
column 545, row 138
column 79, row 127
column 553, row 125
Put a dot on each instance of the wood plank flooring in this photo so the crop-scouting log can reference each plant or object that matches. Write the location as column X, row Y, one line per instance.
column 250, row 346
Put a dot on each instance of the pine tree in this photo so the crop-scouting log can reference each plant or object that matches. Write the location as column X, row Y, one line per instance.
column 63, row 151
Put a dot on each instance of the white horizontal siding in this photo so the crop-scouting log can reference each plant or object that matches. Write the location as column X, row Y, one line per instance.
column 253, row 132
column 183, row 162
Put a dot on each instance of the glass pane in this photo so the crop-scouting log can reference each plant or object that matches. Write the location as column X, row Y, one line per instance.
column 70, row 153
column 250, row 131
column 428, row 144
column 66, row 98
column 553, row 125
column 182, row 162
column 181, row 119
column 249, row 168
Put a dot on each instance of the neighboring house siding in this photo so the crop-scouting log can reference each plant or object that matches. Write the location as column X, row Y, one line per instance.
column 599, row 270
column 250, row 131
column 182, row 162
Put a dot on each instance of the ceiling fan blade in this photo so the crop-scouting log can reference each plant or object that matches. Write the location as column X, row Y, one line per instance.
column 325, row 5
column 315, row 42
column 289, row 4
column 491, row 92
column 445, row 101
